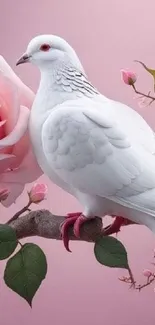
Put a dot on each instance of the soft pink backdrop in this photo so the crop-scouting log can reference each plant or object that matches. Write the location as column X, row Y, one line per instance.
column 108, row 35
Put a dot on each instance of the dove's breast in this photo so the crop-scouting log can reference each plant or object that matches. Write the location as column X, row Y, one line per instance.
column 36, row 122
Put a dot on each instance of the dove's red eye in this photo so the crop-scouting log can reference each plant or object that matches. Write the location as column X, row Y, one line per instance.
column 45, row 47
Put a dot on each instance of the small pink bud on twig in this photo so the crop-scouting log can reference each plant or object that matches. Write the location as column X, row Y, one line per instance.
column 38, row 193
column 4, row 194
column 128, row 77
column 147, row 273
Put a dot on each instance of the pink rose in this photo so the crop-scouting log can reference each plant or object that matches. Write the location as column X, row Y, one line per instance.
column 38, row 193
column 17, row 162
column 128, row 77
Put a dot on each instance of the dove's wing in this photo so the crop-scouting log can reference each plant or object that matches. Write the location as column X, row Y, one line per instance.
column 84, row 144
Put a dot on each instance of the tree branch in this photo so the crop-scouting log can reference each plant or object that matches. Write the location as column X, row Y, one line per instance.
column 43, row 223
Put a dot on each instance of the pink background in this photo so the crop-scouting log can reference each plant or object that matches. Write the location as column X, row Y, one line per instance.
column 108, row 35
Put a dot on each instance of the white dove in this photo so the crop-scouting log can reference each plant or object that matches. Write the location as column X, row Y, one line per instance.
column 99, row 150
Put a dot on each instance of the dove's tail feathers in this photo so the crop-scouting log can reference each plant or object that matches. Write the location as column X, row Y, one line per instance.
column 140, row 208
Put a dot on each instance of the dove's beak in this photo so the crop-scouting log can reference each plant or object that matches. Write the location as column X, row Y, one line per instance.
column 24, row 58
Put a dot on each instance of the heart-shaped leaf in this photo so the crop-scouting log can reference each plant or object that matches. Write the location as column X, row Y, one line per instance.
column 25, row 271
column 110, row 252
column 8, row 241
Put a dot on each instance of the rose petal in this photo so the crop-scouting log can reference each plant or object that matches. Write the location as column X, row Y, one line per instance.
column 15, row 190
column 5, row 161
column 19, row 129
column 9, row 103
column 20, row 150
column 15, row 180
column 4, row 194
column 2, row 123
column 2, row 132
column 6, row 70
column 5, row 156
column 26, row 95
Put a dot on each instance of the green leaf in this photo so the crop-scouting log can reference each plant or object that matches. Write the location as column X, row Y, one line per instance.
column 110, row 252
column 151, row 71
column 8, row 241
column 25, row 271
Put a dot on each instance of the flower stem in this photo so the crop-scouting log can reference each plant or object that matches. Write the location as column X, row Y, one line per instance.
column 16, row 215
column 142, row 94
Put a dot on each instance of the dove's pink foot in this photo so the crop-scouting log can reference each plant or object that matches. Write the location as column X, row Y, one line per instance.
column 75, row 219
column 78, row 223
column 116, row 225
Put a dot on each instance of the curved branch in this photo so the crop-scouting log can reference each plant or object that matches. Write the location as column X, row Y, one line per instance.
column 43, row 223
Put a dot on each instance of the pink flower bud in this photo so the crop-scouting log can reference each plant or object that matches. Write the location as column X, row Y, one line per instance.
column 4, row 194
column 128, row 77
column 147, row 273
column 38, row 193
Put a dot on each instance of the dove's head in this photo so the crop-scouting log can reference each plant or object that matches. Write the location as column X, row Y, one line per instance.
column 44, row 50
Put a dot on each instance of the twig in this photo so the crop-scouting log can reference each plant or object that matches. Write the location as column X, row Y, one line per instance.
column 133, row 282
column 150, row 280
column 143, row 95
column 17, row 215
column 139, row 287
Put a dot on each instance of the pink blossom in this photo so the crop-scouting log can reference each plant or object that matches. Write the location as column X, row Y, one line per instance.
column 4, row 194
column 128, row 77
column 38, row 193
column 147, row 273
column 17, row 162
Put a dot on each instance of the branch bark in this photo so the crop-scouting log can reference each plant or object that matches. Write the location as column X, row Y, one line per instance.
column 43, row 223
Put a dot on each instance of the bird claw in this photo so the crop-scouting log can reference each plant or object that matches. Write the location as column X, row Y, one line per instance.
column 72, row 219
column 69, row 221
column 115, row 227
column 77, row 225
